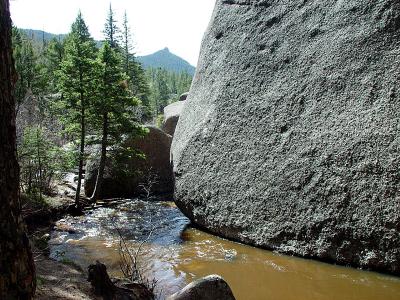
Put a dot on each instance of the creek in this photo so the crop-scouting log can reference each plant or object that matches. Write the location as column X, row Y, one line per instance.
column 175, row 254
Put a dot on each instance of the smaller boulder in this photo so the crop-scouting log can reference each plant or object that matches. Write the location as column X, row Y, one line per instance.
column 172, row 113
column 184, row 96
column 212, row 287
column 151, row 175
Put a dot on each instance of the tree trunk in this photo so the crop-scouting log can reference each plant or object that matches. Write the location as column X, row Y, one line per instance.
column 101, row 282
column 100, row 173
column 40, row 173
column 17, row 270
column 104, row 287
column 81, row 153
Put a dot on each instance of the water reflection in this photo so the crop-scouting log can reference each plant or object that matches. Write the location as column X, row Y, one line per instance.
column 175, row 256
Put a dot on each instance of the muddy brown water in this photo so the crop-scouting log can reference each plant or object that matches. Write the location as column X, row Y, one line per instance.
column 175, row 254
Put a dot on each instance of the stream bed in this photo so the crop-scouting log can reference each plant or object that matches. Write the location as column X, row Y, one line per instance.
column 175, row 254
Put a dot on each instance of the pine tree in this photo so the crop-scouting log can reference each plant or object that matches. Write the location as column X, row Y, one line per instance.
column 54, row 55
column 162, row 90
column 25, row 65
column 128, row 55
column 137, row 78
column 111, row 30
column 112, row 104
column 140, row 88
column 76, row 83
column 166, row 87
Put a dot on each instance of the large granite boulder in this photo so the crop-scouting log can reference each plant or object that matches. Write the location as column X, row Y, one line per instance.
column 154, row 172
column 212, row 287
column 290, row 136
column 172, row 113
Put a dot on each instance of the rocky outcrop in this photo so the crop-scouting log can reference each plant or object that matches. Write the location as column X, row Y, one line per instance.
column 172, row 113
column 289, row 139
column 127, row 178
column 212, row 287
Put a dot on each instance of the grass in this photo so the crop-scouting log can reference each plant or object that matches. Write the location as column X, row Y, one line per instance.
column 69, row 262
column 40, row 281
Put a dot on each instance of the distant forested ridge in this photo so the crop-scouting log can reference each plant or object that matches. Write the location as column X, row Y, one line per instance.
column 166, row 60
column 166, row 74
column 163, row 59
column 40, row 35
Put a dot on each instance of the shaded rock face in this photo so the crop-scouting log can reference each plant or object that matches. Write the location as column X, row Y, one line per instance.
column 156, row 168
column 212, row 287
column 289, row 139
column 183, row 97
column 172, row 113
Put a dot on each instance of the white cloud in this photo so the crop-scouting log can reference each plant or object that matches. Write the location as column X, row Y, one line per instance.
column 155, row 24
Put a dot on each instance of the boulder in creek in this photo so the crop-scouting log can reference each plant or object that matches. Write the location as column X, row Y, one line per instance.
column 212, row 287
column 155, row 172
column 171, row 116
column 289, row 139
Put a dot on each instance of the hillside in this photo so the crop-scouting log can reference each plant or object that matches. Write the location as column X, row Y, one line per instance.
column 38, row 35
column 161, row 59
column 166, row 60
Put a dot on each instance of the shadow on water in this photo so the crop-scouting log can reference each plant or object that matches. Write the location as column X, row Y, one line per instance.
column 176, row 254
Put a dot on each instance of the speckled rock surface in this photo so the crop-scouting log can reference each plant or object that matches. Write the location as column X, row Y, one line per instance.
column 212, row 287
column 172, row 113
column 156, row 168
column 290, row 137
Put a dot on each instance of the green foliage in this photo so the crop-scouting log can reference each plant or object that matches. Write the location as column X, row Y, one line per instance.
column 159, row 120
column 25, row 64
column 40, row 281
column 71, row 263
column 111, row 30
column 166, row 87
column 114, row 101
column 139, row 85
column 41, row 162
column 112, row 95
column 76, row 78
column 76, row 87
column 121, row 158
column 137, row 80
column 54, row 55
column 35, row 65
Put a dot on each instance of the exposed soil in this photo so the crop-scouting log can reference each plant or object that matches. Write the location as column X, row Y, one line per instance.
column 60, row 281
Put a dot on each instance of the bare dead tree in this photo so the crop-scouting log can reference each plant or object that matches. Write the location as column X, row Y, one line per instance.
column 129, row 260
column 147, row 186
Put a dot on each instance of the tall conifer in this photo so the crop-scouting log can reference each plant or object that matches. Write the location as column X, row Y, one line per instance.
column 77, row 83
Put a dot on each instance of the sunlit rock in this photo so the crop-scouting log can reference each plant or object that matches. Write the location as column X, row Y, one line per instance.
column 212, row 287
column 289, row 139
column 172, row 113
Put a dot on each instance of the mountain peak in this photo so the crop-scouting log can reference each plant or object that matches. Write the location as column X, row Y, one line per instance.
column 165, row 59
